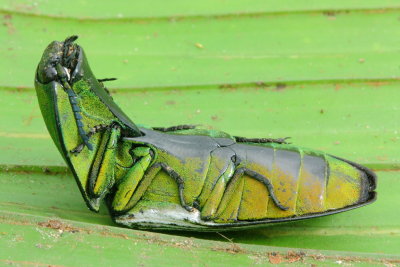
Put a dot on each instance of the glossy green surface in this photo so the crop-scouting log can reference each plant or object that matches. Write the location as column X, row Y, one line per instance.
column 187, row 71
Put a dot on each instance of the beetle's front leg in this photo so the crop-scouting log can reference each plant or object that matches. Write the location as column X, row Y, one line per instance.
column 101, row 175
column 98, row 128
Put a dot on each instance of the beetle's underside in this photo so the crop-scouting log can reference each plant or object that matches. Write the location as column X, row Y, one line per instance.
column 184, row 177
column 305, row 184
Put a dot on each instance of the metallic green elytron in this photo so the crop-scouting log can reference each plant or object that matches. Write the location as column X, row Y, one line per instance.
column 183, row 177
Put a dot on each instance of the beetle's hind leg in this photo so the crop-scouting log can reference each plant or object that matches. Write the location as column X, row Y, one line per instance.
column 264, row 180
column 226, row 187
column 211, row 196
column 174, row 128
column 283, row 140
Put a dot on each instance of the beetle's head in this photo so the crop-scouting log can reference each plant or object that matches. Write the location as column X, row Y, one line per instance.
column 66, row 62
column 73, row 102
column 59, row 59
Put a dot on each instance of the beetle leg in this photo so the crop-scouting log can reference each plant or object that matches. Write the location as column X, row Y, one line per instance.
column 127, row 185
column 180, row 183
column 106, row 80
column 92, row 131
column 264, row 180
column 240, row 139
column 232, row 196
column 126, row 197
column 101, row 176
column 174, row 128
column 64, row 76
column 214, row 198
column 101, row 81
column 229, row 203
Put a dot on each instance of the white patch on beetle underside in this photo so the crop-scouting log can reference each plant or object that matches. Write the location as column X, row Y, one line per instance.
column 164, row 217
column 67, row 71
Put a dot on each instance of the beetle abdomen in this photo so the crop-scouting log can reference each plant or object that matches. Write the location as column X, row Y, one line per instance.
column 305, row 182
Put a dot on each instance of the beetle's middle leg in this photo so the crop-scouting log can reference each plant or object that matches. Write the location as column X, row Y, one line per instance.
column 129, row 194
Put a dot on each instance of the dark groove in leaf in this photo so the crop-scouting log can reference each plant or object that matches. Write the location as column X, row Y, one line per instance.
column 172, row 18
column 273, row 85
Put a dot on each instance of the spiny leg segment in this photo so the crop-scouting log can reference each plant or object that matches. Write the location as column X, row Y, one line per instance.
column 240, row 139
column 178, row 180
column 98, row 128
column 264, row 180
column 63, row 74
column 174, row 128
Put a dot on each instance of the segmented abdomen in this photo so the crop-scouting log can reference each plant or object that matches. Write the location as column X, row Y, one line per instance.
column 304, row 181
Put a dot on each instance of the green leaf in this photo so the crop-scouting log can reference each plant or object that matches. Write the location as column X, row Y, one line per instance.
column 325, row 73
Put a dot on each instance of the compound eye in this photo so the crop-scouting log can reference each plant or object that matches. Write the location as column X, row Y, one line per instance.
column 50, row 72
column 46, row 71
